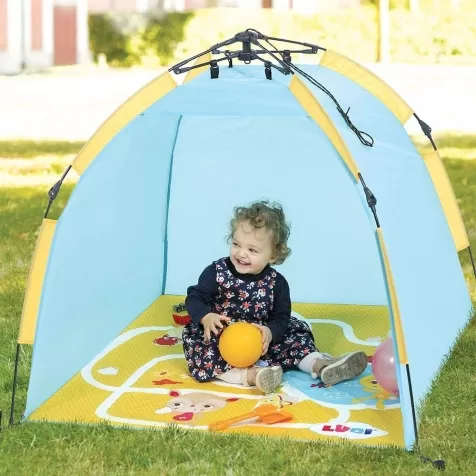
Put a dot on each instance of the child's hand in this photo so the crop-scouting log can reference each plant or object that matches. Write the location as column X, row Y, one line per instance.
column 212, row 323
column 266, row 337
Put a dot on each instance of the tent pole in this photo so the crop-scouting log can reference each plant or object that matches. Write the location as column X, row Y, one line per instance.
column 415, row 429
column 15, row 375
column 372, row 201
column 472, row 260
column 52, row 193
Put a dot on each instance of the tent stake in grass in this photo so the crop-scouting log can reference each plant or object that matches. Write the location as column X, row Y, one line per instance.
column 472, row 260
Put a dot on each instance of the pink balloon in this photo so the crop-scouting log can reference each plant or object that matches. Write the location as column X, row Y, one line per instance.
column 383, row 367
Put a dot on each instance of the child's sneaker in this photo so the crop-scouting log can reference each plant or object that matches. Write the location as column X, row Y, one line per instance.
column 266, row 379
column 334, row 370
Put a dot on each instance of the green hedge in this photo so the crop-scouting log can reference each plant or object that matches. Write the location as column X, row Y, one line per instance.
column 133, row 39
column 440, row 36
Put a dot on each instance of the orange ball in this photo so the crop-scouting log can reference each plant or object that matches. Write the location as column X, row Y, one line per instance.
column 240, row 344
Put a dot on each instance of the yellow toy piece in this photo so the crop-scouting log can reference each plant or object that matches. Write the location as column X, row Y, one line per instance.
column 377, row 392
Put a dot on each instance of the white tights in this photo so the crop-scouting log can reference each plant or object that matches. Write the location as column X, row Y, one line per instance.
column 236, row 376
column 306, row 364
column 240, row 376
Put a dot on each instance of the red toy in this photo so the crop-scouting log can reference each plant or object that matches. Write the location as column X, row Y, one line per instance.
column 181, row 319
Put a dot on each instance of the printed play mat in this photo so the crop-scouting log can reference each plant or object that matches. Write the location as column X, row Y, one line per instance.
column 140, row 380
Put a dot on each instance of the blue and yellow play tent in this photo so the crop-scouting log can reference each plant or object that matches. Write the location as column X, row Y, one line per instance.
column 157, row 184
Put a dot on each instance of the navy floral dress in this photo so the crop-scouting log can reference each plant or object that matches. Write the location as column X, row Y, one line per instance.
column 262, row 299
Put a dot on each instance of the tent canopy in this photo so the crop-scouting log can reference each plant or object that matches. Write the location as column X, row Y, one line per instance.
column 158, row 182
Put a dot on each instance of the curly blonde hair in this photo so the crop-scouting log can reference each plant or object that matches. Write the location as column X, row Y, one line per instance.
column 263, row 214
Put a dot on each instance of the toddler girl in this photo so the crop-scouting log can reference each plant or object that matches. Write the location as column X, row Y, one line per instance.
column 244, row 287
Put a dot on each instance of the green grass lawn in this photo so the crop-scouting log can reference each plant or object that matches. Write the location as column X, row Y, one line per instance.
column 27, row 149
column 447, row 417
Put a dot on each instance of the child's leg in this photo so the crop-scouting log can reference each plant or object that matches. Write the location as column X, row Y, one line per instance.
column 266, row 379
column 236, row 376
column 306, row 364
column 203, row 358
column 333, row 370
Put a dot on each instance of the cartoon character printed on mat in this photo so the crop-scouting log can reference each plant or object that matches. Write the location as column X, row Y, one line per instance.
column 279, row 400
column 371, row 385
column 188, row 406
column 362, row 393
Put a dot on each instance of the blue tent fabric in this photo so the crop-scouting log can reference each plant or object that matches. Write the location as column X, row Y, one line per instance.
column 428, row 276
column 152, row 209
column 96, row 279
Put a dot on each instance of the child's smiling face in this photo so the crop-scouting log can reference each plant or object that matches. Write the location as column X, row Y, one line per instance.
column 251, row 249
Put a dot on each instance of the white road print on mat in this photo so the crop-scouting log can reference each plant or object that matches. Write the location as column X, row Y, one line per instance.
column 102, row 410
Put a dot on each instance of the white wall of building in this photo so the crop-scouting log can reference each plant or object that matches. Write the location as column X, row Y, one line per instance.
column 241, row 3
column 168, row 5
column 83, row 55
column 44, row 57
column 281, row 4
column 20, row 54
column 114, row 5
column 306, row 6
column 11, row 58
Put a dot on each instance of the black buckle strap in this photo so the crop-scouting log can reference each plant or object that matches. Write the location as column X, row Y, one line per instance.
column 54, row 190
column 214, row 69
column 371, row 200
column 426, row 129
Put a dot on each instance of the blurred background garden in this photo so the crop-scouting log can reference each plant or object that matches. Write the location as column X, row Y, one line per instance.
column 66, row 65
column 421, row 31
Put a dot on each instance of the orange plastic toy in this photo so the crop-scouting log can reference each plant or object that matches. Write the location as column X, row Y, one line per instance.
column 240, row 344
column 268, row 414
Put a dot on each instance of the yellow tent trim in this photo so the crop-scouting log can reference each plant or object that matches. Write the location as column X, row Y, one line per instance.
column 193, row 73
column 447, row 197
column 402, row 351
column 369, row 81
column 34, row 288
column 319, row 115
column 139, row 102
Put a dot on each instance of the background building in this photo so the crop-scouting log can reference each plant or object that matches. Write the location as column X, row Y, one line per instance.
column 180, row 5
column 36, row 34
column 42, row 33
